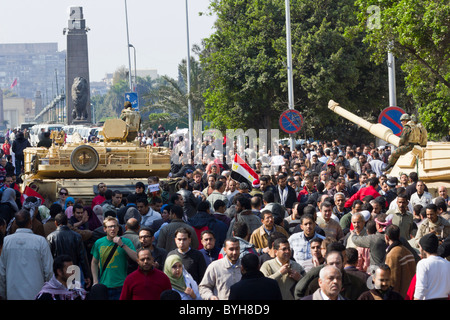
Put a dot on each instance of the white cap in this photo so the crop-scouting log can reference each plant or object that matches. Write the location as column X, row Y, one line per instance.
column 366, row 214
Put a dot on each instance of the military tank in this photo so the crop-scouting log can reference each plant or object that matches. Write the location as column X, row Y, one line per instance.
column 432, row 162
column 117, row 161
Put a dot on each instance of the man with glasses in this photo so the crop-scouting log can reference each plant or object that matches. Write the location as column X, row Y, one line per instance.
column 147, row 238
column 111, row 273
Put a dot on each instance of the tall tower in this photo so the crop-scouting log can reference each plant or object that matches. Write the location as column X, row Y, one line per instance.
column 77, row 67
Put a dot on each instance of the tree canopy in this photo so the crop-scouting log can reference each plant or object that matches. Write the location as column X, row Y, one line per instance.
column 245, row 59
column 418, row 33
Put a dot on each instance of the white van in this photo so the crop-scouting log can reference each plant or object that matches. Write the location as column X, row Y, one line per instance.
column 36, row 130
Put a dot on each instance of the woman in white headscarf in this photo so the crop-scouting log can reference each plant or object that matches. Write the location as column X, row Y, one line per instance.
column 8, row 205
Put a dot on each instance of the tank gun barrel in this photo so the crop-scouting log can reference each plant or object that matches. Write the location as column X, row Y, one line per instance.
column 377, row 129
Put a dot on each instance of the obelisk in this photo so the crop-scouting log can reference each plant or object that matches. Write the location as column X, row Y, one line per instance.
column 78, row 102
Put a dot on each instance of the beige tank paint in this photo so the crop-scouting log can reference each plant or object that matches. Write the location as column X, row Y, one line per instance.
column 120, row 162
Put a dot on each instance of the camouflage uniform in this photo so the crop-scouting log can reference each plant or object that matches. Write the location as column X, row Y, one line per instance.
column 404, row 146
column 132, row 119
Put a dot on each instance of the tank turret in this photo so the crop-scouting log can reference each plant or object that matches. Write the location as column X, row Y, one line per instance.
column 432, row 162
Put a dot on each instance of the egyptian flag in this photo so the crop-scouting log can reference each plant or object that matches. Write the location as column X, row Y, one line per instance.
column 29, row 192
column 241, row 171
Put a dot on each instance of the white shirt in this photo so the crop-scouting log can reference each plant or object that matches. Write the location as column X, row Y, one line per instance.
column 26, row 263
column 424, row 200
column 231, row 194
column 219, row 276
column 432, row 278
column 394, row 206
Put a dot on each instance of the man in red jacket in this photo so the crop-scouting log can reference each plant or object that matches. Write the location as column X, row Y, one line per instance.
column 370, row 190
column 307, row 190
column 147, row 282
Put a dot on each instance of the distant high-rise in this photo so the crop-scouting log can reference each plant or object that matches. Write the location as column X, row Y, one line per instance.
column 36, row 66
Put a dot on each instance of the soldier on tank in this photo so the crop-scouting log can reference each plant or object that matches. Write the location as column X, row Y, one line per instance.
column 132, row 119
column 411, row 136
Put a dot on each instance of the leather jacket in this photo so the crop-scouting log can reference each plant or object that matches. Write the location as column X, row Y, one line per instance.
column 65, row 241
column 190, row 202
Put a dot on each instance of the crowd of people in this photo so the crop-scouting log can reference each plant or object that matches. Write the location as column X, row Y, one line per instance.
column 326, row 223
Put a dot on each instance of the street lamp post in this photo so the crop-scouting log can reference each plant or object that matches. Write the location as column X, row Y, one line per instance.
column 391, row 77
column 188, row 72
column 128, row 42
column 289, row 63
column 135, row 70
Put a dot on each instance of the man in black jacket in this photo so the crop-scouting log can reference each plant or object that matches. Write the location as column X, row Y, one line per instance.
column 253, row 284
column 284, row 194
column 65, row 241
column 45, row 142
column 19, row 144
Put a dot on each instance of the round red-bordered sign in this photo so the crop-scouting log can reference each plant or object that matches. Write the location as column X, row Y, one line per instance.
column 390, row 117
column 291, row 121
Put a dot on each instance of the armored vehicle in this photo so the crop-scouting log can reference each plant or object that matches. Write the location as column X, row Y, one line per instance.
column 117, row 161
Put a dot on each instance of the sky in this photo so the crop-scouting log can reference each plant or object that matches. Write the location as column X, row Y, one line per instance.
column 157, row 29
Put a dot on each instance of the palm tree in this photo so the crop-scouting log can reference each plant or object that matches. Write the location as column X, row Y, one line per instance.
column 171, row 96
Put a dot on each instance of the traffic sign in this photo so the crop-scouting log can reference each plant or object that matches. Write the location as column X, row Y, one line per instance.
column 291, row 121
column 133, row 98
column 390, row 117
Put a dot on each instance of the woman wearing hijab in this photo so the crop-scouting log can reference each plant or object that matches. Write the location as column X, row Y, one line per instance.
column 182, row 282
column 70, row 201
column 8, row 205
column 93, row 221
column 68, row 206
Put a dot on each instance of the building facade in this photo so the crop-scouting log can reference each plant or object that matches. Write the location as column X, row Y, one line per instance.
column 36, row 66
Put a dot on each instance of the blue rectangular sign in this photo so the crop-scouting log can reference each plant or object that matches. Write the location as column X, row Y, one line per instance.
column 133, row 98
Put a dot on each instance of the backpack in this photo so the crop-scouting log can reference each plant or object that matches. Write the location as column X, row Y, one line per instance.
column 423, row 135
column 418, row 134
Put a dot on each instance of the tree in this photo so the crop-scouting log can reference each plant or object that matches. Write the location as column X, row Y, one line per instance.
column 417, row 32
column 245, row 59
column 243, row 65
column 115, row 97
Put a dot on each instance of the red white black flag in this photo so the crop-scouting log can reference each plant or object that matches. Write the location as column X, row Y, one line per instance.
column 242, row 172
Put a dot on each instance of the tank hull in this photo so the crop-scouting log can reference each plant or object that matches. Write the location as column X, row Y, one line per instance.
column 115, row 160
column 119, row 161
column 118, row 164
